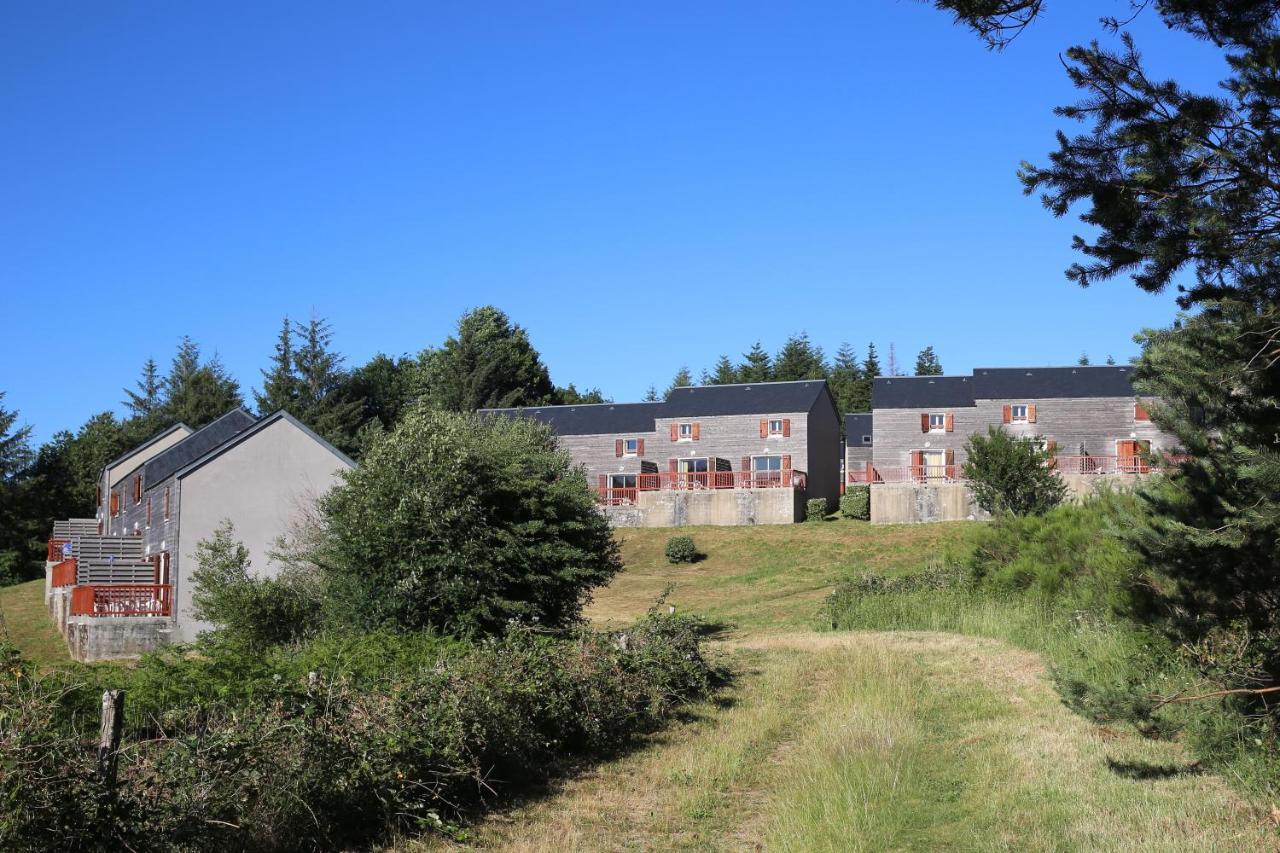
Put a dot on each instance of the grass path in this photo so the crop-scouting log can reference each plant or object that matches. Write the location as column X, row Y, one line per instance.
column 887, row 741
column 863, row 741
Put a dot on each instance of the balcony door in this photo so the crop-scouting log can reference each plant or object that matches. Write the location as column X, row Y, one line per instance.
column 692, row 472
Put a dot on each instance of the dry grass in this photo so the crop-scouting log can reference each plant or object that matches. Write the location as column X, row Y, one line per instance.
column 766, row 578
column 28, row 626
column 886, row 741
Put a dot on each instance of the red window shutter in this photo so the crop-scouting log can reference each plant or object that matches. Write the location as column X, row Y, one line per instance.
column 917, row 459
column 924, row 423
column 1031, row 414
column 786, row 463
column 672, row 465
column 639, row 447
column 951, row 461
column 617, row 447
column 155, row 563
column 746, row 463
column 603, row 483
column 697, row 430
column 786, row 427
column 1008, row 414
column 951, row 422
column 1051, row 447
column 1140, row 412
column 148, row 512
column 115, row 503
column 675, row 432
column 764, row 427
column 137, row 489
column 166, row 503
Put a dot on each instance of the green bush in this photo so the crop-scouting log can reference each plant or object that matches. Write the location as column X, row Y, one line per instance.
column 461, row 524
column 1009, row 475
column 815, row 509
column 331, row 743
column 680, row 549
column 856, row 502
column 262, row 610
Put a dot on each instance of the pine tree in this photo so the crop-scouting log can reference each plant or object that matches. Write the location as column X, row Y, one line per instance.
column 682, row 379
column 651, row 395
column 725, row 373
column 846, row 382
column 489, row 363
column 757, row 366
column 569, row 395
column 322, row 402
column 16, row 527
column 382, row 387
column 145, row 402
column 1111, row 359
column 799, row 359
column 871, row 364
column 1083, row 360
column 927, row 363
column 197, row 393
column 280, row 384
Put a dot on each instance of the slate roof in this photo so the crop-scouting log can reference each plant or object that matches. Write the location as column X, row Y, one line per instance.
column 150, row 441
column 259, row 425
column 590, row 418
column 759, row 398
column 922, row 392
column 1018, row 383
column 194, row 446
column 857, row 425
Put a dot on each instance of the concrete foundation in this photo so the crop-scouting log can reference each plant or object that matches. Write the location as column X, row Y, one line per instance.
column 718, row 507
column 94, row 638
column 911, row 503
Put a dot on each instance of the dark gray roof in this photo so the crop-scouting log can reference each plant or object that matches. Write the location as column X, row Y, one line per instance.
column 1029, row 383
column 760, row 398
column 589, row 419
column 257, row 427
column 191, row 448
column 919, row 392
column 857, row 425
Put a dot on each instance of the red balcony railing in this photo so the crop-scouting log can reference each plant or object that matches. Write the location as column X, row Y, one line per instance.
column 122, row 600
column 64, row 574
column 907, row 474
column 55, row 550
column 1060, row 463
column 699, row 480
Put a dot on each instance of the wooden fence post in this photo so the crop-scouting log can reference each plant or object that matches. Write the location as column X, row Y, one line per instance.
column 109, row 736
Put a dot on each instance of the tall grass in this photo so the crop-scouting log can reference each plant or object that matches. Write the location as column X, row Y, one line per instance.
column 1062, row 586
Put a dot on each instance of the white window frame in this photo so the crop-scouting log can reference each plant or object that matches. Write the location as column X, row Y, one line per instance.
column 684, row 431
column 630, row 446
column 866, row 439
column 775, row 433
column 777, row 456
column 613, row 484
column 1013, row 413
column 937, row 422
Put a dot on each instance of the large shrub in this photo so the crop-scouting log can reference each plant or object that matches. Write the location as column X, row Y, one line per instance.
column 815, row 509
column 1011, row 475
column 680, row 549
column 856, row 502
column 462, row 524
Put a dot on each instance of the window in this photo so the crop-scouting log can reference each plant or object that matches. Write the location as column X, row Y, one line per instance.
column 775, row 427
column 937, row 422
column 686, row 432
column 1140, row 412
column 166, row 503
column 1018, row 414
column 115, row 503
column 149, row 512
column 622, row 481
column 866, row 439
column 630, row 446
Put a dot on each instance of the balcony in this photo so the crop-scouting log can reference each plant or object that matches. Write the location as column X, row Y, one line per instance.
column 122, row 600
column 698, row 481
column 1073, row 465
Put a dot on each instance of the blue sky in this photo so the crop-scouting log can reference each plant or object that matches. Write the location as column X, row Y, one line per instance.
column 642, row 186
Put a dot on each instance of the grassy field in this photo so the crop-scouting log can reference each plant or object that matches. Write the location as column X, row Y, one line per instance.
column 768, row 578
column 867, row 740
column 28, row 626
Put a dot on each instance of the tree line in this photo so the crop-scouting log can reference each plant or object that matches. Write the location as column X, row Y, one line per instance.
column 849, row 377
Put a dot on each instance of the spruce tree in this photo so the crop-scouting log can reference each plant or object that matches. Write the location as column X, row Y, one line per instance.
column 846, row 382
column 145, row 402
column 196, row 392
column 927, row 363
column 724, row 374
column 682, row 379
column 323, row 403
column 280, row 384
column 757, row 366
column 799, row 359
column 1083, row 360
column 651, row 395
column 16, row 527
column 489, row 363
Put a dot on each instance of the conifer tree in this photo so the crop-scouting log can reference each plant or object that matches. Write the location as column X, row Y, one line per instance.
column 927, row 363
column 145, row 402
column 489, row 363
column 322, row 402
column 846, row 381
column 280, row 385
column 1083, row 360
column 724, row 374
column 799, row 359
column 682, row 379
column 197, row 392
column 651, row 395
column 757, row 366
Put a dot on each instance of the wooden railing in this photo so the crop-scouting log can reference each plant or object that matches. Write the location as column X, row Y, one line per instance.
column 698, row 480
column 122, row 600
column 64, row 574
column 1062, row 464
column 55, row 550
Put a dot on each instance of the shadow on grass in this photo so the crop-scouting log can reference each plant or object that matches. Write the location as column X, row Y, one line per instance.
column 1146, row 771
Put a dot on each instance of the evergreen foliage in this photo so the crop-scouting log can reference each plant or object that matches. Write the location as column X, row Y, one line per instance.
column 490, row 363
column 682, row 379
column 856, row 502
column 756, row 365
column 1010, row 475
column 198, row 392
column 799, row 359
column 927, row 363
column 846, row 383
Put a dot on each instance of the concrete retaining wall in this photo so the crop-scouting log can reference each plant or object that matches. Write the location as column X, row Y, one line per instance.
column 909, row 503
column 94, row 638
column 720, row 507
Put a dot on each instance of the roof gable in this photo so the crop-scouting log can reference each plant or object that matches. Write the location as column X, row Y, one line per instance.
column 260, row 425
column 194, row 446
